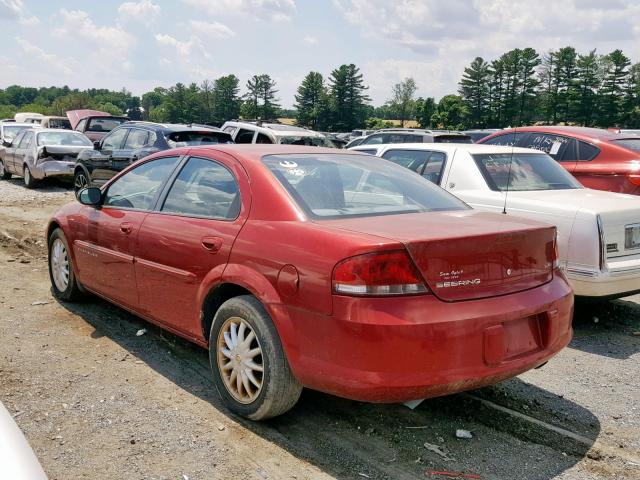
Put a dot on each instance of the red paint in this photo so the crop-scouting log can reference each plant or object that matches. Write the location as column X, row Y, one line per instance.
column 373, row 348
column 614, row 169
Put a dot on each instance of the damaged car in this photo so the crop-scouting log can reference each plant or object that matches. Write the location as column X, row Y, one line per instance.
column 36, row 154
column 94, row 123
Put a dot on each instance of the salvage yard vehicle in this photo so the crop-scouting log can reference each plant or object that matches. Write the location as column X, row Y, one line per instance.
column 598, row 158
column 43, row 152
column 304, row 266
column 414, row 135
column 46, row 121
column 598, row 232
column 132, row 141
column 265, row 133
column 93, row 123
column 480, row 133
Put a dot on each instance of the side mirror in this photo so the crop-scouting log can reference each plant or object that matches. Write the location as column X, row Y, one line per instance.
column 96, row 145
column 91, row 196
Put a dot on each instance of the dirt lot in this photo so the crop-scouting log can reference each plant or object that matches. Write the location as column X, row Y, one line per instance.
column 97, row 401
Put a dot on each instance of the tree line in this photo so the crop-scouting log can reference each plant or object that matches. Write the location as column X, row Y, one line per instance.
column 518, row 88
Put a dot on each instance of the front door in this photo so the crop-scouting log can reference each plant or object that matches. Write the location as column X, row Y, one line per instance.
column 105, row 257
column 189, row 238
column 102, row 162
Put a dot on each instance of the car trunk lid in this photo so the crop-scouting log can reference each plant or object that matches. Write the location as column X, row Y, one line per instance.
column 468, row 255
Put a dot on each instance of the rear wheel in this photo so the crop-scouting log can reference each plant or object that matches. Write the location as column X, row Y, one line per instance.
column 29, row 181
column 63, row 281
column 250, row 369
column 80, row 181
column 4, row 174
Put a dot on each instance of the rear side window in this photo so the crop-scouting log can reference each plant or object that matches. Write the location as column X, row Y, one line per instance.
column 137, row 139
column 586, row 151
column 262, row 138
column 413, row 138
column 26, row 140
column 508, row 139
column 339, row 186
column 412, row 159
column 138, row 188
column 244, row 136
column 559, row 148
column 204, row 188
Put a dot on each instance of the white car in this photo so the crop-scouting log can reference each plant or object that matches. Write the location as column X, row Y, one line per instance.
column 262, row 132
column 598, row 232
column 17, row 460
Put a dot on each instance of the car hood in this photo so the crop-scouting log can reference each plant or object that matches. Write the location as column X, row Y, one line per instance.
column 75, row 116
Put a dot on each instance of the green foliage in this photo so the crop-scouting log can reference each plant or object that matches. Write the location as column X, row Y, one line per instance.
column 374, row 123
column 347, row 98
column 260, row 100
column 226, row 99
column 451, row 113
column 402, row 103
column 312, row 102
column 425, row 108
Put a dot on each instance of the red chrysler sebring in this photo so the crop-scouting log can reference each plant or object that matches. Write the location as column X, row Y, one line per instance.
column 301, row 266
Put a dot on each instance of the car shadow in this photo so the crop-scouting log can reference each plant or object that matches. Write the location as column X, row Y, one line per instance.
column 354, row 440
column 609, row 329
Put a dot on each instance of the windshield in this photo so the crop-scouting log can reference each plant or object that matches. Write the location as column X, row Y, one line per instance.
column 523, row 171
column 59, row 123
column 310, row 141
column 63, row 138
column 104, row 124
column 10, row 131
column 630, row 143
column 338, row 185
column 182, row 139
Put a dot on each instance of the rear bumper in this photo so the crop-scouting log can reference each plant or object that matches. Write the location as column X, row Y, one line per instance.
column 622, row 278
column 53, row 168
column 386, row 350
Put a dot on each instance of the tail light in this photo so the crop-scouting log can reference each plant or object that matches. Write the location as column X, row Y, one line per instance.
column 378, row 274
column 634, row 178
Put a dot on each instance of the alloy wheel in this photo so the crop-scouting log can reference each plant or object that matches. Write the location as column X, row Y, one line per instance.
column 240, row 362
column 60, row 265
column 80, row 182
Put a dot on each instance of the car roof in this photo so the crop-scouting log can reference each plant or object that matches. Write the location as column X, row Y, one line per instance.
column 584, row 133
column 277, row 129
column 449, row 147
column 171, row 127
column 61, row 130
column 18, row 124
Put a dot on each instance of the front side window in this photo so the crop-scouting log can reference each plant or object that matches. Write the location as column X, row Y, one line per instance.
column 63, row 138
column 338, row 185
column 137, row 139
column 204, row 188
column 114, row 140
column 523, row 172
column 138, row 188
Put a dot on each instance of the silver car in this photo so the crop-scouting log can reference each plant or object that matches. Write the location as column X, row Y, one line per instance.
column 43, row 152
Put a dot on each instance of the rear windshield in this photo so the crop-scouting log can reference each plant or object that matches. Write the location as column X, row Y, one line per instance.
column 59, row 123
column 630, row 143
column 183, row 139
column 10, row 131
column 452, row 139
column 63, row 138
column 309, row 141
column 338, row 185
column 523, row 172
column 105, row 124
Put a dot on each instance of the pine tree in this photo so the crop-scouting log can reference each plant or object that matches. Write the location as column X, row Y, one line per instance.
column 587, row 84
column 348, row 98
column 529, row 61
column 474, row 89
column 226, row 99
column 312, row 102
column 613, row 87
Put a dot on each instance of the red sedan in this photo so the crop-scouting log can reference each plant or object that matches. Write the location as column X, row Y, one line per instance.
column 301, row 266
column 599, row 159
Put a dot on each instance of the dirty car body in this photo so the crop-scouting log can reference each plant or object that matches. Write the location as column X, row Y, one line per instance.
column 381, row 286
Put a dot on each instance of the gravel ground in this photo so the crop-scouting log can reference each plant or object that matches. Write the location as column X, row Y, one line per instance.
column 96, row 401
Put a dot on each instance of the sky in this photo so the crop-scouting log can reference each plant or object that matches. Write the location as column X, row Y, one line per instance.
column 141, row 44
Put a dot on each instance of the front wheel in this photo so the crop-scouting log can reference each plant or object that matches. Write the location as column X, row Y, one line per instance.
column 4, row 174
column 63, row 281
column 29, row 181
column 80, row 181
column 250, row 369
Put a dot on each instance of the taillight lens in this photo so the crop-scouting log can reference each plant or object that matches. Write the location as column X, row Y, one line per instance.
column 378, row 274
column 634, row 178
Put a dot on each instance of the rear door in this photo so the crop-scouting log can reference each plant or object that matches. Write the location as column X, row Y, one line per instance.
column 105, row 250
column 189, row 237
column 10, row 152
column 21, row 150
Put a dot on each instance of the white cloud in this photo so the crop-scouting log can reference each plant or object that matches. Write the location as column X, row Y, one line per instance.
column 111, row 43
column 52, row 61
column 309, row 40
column 211, row 30
column 273, row 10
column 144, row 11
column 14, row 10
column 182, row 48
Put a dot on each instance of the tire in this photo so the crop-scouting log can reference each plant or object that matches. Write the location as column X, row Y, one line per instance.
column 29, row 181
column 4, row 174
column 279, row 390
column 70, row 290
column 80, row 181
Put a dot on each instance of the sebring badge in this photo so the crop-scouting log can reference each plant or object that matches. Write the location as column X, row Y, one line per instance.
column 458, row 283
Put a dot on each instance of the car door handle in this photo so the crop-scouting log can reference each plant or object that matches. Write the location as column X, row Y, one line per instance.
column 126, row 228
column 211, row 244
